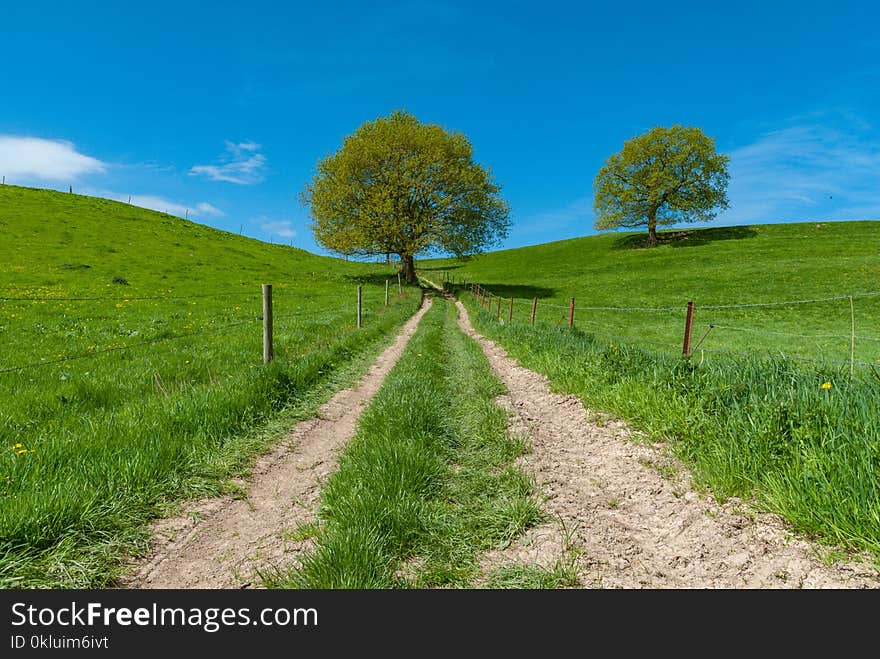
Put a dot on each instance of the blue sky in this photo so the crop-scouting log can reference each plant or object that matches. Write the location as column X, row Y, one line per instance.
column 221, row 110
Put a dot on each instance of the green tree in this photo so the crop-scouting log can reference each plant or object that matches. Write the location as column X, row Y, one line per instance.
column 402, row 187
column 665, row 176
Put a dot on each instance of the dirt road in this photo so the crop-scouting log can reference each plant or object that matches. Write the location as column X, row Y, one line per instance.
column 223, row 542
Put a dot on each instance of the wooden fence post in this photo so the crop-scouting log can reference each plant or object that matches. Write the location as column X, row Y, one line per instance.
column 386, row 292
column 510, row 315
column 534, row 309
column 688, row 326
column 359, row 308
column 268, row 352
column 571, row 312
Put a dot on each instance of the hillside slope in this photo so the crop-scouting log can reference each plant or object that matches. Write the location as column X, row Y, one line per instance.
column 131, row 369
column 736, row 266
column 71, row 244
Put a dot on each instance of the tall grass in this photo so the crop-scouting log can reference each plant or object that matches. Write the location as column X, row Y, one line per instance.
column 762, row 428
column 428, row 481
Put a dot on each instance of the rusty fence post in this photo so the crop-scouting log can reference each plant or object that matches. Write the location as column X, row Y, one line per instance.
column 688, row 326
column 571, row 312
column 534, row 309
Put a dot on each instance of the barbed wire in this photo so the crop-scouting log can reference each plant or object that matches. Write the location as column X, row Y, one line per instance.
column 800, row 336
column 638, row 340
column 323, row 296
column 138, row 298
column 132, row 298
column 130, row 346
column 311, row 313
column 701, row 306
column 787, row 303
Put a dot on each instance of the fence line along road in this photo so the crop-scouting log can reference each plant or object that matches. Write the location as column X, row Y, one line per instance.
column 266, row 317
column 484, row 297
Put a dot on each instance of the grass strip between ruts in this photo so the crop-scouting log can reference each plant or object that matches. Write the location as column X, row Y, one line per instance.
column 428, row 481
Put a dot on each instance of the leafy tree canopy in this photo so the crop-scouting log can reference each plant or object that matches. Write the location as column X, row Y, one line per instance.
column 665, row 176
column 402, row 187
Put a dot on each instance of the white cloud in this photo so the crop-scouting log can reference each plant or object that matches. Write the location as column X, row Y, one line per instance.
column 161, row 204
column 156, row 203
column 282, row 228
column 807, row 172
column 31, row 158
column 241, row 164
column 205, row 208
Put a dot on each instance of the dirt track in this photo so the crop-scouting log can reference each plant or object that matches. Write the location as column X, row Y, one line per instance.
column 628, row 525
column 222, row 542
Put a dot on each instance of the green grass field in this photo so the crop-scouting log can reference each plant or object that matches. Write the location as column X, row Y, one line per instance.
column 131, row 379
column 428, row 482
column 711, row 267
column 143, row 383
column 799, row 437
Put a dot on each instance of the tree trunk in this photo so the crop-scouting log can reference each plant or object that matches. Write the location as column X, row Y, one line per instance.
column 652, row 232
column 409, row 268
column 387, row 258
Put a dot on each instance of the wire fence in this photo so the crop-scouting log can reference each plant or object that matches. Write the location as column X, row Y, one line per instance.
column 140, row 298
column 329, row 316
column 674, row 326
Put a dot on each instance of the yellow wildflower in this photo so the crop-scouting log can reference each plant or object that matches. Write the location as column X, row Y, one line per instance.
column 21, row 451
column 826, row 385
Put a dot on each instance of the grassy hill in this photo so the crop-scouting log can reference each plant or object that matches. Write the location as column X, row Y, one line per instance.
column 131, row 368
column 712, row 267
column 777, row 415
